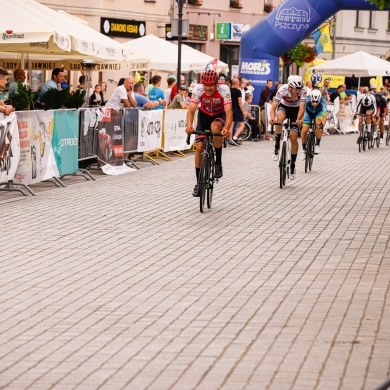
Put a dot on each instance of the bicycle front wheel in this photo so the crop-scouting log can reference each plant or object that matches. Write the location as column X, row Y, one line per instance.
column 388, row 136
column 210, row 186
column 309, row 152
column 283, row 165
column 203, row 175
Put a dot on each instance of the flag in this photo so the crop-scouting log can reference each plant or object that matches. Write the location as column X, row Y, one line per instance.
column 212, row 65
column 322, row 40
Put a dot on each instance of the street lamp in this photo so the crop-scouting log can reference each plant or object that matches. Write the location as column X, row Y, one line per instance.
column 180, row 4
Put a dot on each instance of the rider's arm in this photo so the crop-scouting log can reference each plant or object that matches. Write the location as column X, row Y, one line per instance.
column 301, row 111
column 190, row 116
column 229, row 117
column 272, row 113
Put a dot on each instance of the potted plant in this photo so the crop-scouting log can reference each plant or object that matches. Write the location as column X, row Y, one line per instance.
column 300, row 54
column 76, row 99
column 235, row 4
column 195, row 2
column 268, row 7
column 21, row 100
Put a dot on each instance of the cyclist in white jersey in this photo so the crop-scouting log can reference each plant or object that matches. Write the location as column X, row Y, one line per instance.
column 215, row 113
column 289, row 103
column 366, row 105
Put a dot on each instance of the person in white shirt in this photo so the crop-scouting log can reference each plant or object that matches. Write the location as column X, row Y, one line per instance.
column 123, row 95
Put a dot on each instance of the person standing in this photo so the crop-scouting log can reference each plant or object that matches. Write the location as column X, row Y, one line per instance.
column 175, row 87
column 103, row 92
column 179, row 100
column 5, row 109
column 19, row 74
column 238, row 112
column 123, row 95
column 156, row 93
column 265, row 94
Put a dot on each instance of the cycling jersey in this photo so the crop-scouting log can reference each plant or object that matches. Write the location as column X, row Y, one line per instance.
column 214, row 104
column 283, row 96
column 363, row 109
column 380, row 100
column 312, row 112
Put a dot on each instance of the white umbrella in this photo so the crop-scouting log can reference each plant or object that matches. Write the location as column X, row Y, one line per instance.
column 163, row 55
column 33, row 28
column 359, row 64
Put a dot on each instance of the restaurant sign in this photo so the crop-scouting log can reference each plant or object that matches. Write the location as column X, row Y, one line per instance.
column 122, row 28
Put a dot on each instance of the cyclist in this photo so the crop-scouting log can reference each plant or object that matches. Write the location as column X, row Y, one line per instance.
column 315, row 108
column 289, row 102
column 215, row 113
column 381, row 112
column 365, row 105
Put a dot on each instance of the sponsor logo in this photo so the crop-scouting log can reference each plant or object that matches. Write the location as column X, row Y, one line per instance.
column 292, row 18
column 11, row 35
column 262, row 67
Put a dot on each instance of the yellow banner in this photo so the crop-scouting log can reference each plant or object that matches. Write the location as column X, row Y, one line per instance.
column 325, row 39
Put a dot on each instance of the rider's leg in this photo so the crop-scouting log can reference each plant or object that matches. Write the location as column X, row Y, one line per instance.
column 294, row 148
column 216, row 127
column 319, row 127
column 198, row 157
column 304, row 131
column 280, row 117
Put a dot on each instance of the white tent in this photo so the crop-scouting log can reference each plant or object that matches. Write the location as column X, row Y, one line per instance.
column 164, row 55
column 35, row 29
column 359, row 64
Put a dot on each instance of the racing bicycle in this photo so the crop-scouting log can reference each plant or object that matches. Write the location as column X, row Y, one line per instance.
column 363, row 139
column 310, row 145
column 207, row 177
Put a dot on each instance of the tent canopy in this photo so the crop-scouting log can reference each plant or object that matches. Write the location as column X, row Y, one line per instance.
column 33, row 28
column 359, row 64
column 163, row 55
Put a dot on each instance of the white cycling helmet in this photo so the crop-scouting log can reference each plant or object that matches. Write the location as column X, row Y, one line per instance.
column 295, row 81
column 366, row 100
column 315, row 96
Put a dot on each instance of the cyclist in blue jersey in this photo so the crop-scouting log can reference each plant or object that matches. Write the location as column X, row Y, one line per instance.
column 315, row 108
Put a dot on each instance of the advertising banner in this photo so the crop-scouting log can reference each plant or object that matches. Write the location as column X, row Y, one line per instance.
column 149, row 130
column 110, row 136
column 175, row 122
column 9, row 147
column 88, row 134
column 259, row 70
column 37, row 162
column 66, row 140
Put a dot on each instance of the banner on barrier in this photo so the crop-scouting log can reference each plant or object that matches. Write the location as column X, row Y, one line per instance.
column 88, row 133
column 9, row 147
column 37, row 162
column 110, row 137
column 175, row 137
column 66, row 141
column 149, row 130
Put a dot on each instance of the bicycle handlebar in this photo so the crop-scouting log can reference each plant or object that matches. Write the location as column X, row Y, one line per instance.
column 207, row 134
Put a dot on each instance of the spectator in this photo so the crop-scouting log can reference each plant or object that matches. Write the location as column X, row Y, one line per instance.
column 121, row 81
column 336, row 94
column 309, row 87
column 222, row 78
column 265, row 94
column 238, row 111
column 96, row 98
column 242, row 86
column 5, row 109
column 175, row 87
column 156, row 93
column 325, row 89
column 171, row 80
column 179, row 100
column 57, row 77
column 103, row 92
column 249, row 87
column 142, row 101
column 248, row 117
column 19, row 74
column 81, row 82
column 278, row 84
column 123, row 95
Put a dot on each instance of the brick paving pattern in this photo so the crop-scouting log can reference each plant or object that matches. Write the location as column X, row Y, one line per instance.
column 122, row 284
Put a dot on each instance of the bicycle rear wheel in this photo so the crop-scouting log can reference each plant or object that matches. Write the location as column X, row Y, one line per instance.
column 364, row 141
column 203, row 181
column 283, row 165
column 246, row 133
column 210, row 184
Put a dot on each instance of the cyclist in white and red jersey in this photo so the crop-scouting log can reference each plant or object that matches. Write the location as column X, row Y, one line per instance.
column 215, row 113
column 289, row 103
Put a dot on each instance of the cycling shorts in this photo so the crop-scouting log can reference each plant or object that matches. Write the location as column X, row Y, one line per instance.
column 380, row 112
column 205, row 121
column 291, row 113
column 309, row 116
column 363, row 110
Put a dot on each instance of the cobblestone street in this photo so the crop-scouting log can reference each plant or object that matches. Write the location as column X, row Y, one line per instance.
column 122, row 283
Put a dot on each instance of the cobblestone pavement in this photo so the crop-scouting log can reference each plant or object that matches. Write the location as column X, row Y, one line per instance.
column 122, row 284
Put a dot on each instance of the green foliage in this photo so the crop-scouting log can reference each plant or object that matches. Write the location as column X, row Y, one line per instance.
column 76, row 99
column 381, row 4
column 53, row 99
column 23, row 98
column 300, row 54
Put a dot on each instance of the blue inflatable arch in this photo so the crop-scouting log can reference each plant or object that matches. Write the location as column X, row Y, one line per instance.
column 282, row 30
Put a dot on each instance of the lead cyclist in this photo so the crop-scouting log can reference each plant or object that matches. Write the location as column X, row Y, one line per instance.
column 215, row 113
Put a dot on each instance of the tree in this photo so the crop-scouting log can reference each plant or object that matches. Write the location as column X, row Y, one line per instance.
column 381, row 4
